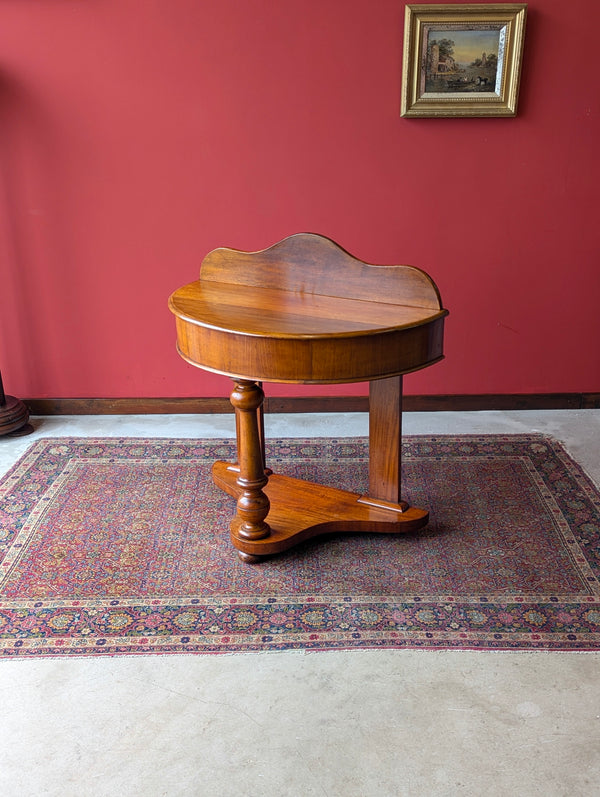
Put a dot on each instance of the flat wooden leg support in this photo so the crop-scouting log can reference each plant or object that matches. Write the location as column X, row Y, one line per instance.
column 385, row 439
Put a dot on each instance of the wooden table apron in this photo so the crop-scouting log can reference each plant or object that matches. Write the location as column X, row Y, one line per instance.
column 285, row 336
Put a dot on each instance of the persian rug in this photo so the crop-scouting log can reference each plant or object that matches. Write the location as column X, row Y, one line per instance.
column 120, row 546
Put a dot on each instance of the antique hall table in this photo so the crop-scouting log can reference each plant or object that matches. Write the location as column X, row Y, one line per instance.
column 305, row 311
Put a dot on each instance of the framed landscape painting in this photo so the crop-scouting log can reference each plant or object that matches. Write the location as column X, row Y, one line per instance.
column 462, row 60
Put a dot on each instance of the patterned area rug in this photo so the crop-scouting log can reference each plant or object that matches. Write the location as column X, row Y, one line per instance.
column 120, row 546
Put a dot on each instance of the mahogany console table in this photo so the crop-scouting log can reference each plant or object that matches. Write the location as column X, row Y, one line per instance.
column 305, row 311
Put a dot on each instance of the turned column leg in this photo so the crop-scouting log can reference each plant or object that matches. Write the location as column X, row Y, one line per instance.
column 385, row 439
column 261, row 432
column 260, row 419
column 252, row 505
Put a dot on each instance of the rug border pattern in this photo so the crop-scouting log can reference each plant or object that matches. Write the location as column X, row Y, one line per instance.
column 74, row 627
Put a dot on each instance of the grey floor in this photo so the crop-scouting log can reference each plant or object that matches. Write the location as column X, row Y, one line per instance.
column 343, row 723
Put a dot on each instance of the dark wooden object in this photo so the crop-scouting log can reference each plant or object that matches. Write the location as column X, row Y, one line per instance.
column 305, row 311
column 275, row 404
column 13, row 414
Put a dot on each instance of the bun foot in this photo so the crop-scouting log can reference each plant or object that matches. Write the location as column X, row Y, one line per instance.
column 249, row 558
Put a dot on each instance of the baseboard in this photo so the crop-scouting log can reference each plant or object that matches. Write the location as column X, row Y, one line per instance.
column 187, row 406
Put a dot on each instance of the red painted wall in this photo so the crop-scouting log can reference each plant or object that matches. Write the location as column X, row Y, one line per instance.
column 137, row 135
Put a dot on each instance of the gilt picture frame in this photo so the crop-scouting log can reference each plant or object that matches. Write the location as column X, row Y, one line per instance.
column 462, row 60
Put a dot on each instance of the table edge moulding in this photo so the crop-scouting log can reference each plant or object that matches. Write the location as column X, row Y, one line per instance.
column 305, row 311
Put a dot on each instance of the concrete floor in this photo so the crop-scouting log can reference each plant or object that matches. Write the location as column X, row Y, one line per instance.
column 342, row 724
